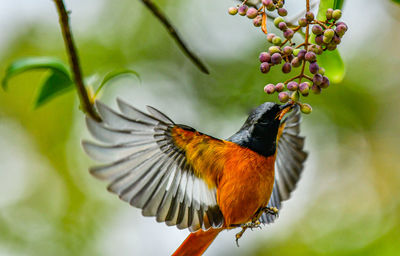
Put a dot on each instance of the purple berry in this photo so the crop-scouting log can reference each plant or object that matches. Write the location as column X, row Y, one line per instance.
column 283, row 97
column 319, row 40
column 269, row 5
column 279, row 87
column 233, row 10
column 269, row 88
column 317, row 30
column 242, row 10
column 301, row 54
column 310, row 56
column 314, row 68
column 282, row 26
column 287, row 50
column 329, row 13
column 310, row 16
column 288, row 34
column 264, row 57
column 277, row 21
column 316, row 89
column 296, row 62
column 304, row 88
column 325, row 82
column 317, row 79
column 286, row 68
column 331, row 46
column 257, row 21
column 264, row 67
column 340, row 30
column 336, row 39
column 252, row 13
column 292, row 86
column 276, row 58
column 282, row 12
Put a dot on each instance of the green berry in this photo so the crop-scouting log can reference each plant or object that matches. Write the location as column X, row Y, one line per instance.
column 274, row 49
column 294, row 96
column 337, row 14
column 321, row 71
column 277, row 40
column 329, row 33
column 232, row 10
column 305, row 108
column 296, row 51
column 302, row 22
column 270, row 36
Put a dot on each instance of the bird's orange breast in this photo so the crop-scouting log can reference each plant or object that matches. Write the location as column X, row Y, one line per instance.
column 243, row 178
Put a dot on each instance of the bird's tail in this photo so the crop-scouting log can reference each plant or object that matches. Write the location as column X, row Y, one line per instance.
column 197, row 243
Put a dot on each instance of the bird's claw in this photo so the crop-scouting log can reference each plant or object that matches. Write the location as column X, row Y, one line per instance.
column 251, row 225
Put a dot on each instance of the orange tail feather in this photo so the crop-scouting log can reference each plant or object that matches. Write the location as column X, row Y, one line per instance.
column 197, row 243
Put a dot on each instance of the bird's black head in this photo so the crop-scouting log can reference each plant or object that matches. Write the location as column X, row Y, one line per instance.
column 259, row 131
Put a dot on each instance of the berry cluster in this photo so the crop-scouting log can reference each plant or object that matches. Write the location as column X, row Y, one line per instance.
column 327, row 35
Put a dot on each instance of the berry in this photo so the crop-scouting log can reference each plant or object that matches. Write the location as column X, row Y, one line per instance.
column 329, row 33
column 313, row 68
column 288, row 34
column 337, row 14
column 301, row 54
column 280, row 4
column 317, row 79
column 282, row 12
column 321, row 71
column 296, row 51
column 282, row 26
column 270, row 36
column 341, row 30
column 294, row 96
column 309, row 16
column 274, row 49
column 292, row 86
column 233, row 10
column 278, row 20
column 302, row 22
column 341, row 23
column 276, row 58
column 252, row 13
column 287, row 50
column 305, row 108
column 316, row 89
column 317, row 30
column 242, row 10
column 331, row 46
column 279, row 87
column 329, row 13
column 269, row 5
column 310, row 56
column 277, row 40
column 269, row 88
column 296, row 62
column 264, row 67
column 319, row 40
column 325, row 82
column 264, row 57
column 304, row 88
column 286, row 68
column 326, row 40
column 257, row 21
column 283, row 97
column 336, row 39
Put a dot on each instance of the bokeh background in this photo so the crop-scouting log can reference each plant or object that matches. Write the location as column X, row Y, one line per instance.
column 347, row 202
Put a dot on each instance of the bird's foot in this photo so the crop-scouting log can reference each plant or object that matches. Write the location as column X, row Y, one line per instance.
column 271, row 210
column 251, row 225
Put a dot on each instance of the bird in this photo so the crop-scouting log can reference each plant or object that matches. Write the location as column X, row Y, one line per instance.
column 195, row 181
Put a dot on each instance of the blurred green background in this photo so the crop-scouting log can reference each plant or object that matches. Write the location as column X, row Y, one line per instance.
column 347, row 203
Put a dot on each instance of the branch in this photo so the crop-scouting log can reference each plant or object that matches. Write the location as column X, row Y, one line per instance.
column 174, row 33
column 87, row 107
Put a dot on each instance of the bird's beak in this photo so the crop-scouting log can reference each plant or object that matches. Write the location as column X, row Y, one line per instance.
column 284, row 109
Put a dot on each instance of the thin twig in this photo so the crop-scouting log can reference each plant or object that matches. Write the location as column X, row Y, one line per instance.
column 174, row 33
column 87, row 107
column 305, row 42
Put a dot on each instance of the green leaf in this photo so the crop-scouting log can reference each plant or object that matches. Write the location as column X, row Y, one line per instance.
column 57, row 83
column 25, row 64
column 115, row 74
column 331, row 61
column 396, row 1
column 338, row 4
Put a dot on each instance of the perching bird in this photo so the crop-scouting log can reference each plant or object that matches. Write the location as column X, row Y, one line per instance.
column 195, row 181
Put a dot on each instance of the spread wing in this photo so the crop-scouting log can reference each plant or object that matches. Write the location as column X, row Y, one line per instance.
column 146, row 168
column 289, row 162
